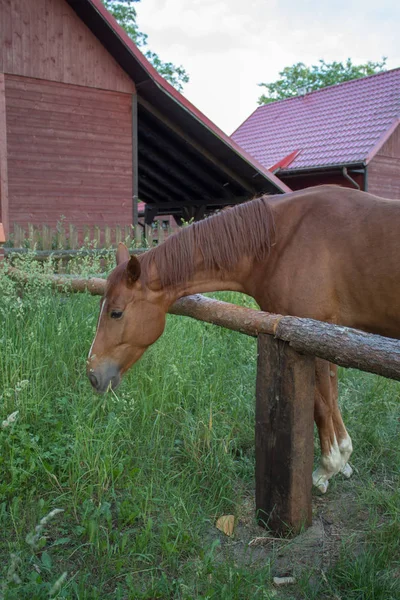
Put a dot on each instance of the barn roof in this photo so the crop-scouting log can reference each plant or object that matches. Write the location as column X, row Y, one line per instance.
column 184, row 158
column 340, row 125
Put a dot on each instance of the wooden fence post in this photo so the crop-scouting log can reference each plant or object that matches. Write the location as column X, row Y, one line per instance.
column 46, row 237
column 127, row 235
column 87, row 235
column 19, row 236
column 107, row 236
column 73, row 237
column 2, row 240
column 97, row 236
column 284, row 435
column 137, row 236
column 148, row 236
column 161, row 233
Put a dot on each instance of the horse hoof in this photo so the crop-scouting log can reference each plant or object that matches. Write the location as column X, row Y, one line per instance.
column 323, row 486
column 320, row 483
column 347, row 471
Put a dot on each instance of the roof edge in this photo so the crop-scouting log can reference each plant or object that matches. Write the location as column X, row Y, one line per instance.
column 329, row 167
column 381, row 141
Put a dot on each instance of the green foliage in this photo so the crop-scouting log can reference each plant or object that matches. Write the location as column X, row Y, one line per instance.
column 299, row 77
column 125, row 13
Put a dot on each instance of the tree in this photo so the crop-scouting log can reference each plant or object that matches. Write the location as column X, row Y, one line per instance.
column 125, row 13
column 299, row 77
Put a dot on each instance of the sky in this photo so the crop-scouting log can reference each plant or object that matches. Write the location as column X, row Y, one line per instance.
column 229, row 46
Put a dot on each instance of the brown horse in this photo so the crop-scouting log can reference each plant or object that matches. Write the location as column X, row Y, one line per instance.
column 327, row 253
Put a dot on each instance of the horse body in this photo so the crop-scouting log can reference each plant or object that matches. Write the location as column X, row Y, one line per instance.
column 336, row 259
column 326, row 253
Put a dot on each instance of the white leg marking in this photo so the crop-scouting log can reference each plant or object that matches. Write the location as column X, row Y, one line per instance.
column 346, row 448
column 334, row 462
column 98, row 322
column 330, row 464
column 347, row 471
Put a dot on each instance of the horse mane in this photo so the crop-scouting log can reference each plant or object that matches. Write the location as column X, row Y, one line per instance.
column 223, row 239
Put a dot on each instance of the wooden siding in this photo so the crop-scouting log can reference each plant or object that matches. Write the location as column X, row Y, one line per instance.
column 3, row 159
column 384, row 169
column 69, row 153
column 299, row 182
column 45, row 39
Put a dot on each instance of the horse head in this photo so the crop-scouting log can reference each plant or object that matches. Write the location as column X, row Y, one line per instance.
column 132, row 317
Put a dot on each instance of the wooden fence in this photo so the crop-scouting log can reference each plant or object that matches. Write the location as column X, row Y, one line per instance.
column 63, row 237
column 284, row 390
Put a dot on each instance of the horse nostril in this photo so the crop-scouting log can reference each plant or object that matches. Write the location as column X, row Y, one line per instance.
column 93, row 380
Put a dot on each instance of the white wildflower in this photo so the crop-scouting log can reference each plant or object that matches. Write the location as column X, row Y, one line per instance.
column 10, row 419
column 11, row 575
column 33, row 538
column 21, row 385
column 57, row 586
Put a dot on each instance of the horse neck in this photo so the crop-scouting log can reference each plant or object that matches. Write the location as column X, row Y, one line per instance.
column 203, row 280
column 211, row 281
column 214, row 254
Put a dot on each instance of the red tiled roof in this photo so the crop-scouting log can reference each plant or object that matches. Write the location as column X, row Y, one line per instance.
column 338, row 125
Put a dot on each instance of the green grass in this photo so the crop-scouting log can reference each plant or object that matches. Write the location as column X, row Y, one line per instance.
column 142, row 474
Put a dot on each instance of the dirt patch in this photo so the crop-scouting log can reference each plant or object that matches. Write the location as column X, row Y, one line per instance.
column 335, row 517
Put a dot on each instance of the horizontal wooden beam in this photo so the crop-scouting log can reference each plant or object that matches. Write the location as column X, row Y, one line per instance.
column 150, row 169
column 168, row 161
column 341, row 345
column 151, row 188
column 192, row 169
column 222, row 166
column 165, row 208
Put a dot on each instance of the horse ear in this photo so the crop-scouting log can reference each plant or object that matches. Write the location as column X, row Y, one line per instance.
column 133, row 270
column 122, row 253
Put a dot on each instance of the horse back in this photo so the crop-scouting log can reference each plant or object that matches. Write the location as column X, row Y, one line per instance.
column 336, row 258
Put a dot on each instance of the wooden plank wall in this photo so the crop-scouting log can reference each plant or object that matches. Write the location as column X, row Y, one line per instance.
column 3, row 159
column 45, row 39
column 69, row 153
column 384, row 169
column 300, row 182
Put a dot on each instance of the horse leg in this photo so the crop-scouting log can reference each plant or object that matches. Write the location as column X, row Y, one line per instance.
column 334, row 440
column 343, row 438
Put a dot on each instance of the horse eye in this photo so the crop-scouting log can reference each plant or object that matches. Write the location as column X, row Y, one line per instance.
column 116, row 314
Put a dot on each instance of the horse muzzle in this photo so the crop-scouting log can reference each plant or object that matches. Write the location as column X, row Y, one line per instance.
column 105, row 376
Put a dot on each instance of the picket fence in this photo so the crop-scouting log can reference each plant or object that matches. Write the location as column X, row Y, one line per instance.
column 46, row 239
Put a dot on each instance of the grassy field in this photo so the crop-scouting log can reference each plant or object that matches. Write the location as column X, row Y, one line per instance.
column 141, row 475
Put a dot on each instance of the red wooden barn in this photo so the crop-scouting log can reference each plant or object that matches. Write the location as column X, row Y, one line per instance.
column 87, row 126
column 347, row 134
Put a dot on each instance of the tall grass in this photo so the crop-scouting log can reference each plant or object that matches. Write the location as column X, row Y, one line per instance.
column 142, row 474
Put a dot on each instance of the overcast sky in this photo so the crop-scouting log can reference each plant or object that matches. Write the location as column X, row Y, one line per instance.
column 229, row 46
